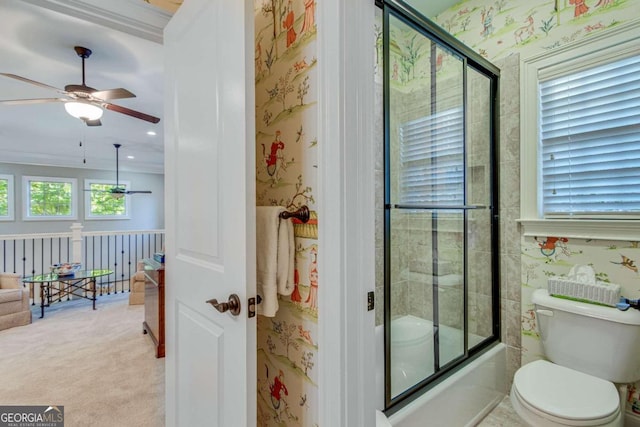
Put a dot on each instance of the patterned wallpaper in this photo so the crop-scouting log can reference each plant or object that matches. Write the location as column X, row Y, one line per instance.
column 286, row 162
column 542, row 257
column 498, row 28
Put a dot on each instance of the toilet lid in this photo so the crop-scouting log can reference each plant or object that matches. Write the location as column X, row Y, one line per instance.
column 564, row 393
column 410, row 329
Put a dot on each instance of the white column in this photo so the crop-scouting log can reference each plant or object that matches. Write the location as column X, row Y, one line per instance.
column 76, row 242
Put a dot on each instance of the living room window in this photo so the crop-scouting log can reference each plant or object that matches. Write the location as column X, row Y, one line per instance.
column 6, row 198
column 102, row 203
column 580, row 152
column 49, row 198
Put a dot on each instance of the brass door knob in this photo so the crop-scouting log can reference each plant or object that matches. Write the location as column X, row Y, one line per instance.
column 233, row 305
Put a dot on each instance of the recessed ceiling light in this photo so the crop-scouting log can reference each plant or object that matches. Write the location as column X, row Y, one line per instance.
column 130, row 157
column 152, row 133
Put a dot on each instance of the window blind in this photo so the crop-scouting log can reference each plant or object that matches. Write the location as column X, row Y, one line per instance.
column 590, row 141
column 432, row 159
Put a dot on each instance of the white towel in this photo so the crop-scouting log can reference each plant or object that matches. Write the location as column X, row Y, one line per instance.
column 275, row 255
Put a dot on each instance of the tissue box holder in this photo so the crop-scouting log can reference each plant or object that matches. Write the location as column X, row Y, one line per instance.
column 599, row 292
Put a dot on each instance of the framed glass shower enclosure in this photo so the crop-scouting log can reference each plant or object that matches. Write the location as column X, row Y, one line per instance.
column 441, row 302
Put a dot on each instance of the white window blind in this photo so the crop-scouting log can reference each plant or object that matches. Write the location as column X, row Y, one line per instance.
column 432, row 159
column 590, row 141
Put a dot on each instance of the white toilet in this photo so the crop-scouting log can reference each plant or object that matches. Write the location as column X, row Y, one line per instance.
column 589, row 347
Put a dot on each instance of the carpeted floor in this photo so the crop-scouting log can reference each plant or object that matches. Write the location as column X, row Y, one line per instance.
column 97, row 364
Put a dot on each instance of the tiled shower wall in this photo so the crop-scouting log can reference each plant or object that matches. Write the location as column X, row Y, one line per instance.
column 509, row 192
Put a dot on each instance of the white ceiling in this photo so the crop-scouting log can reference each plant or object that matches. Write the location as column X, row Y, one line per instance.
column 37, row 43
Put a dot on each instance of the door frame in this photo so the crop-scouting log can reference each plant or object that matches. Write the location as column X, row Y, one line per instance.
column 347, row 221
column 345, row 161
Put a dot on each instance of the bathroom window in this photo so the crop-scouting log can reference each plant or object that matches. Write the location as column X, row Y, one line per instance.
column 589, row 134
column 6, row 197
column 431, row 152
column 47, row 198
column 580, row 161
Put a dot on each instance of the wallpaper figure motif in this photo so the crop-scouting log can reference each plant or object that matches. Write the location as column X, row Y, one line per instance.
column 309, row 16
column 486, row 17
column 287, row 25
column 628, row 263
column 580, row 7
column 274, row 160
column 312, row 297
column 550, row 245
column 276, row 389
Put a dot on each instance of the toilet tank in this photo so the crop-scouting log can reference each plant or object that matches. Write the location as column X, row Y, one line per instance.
column 594, row 339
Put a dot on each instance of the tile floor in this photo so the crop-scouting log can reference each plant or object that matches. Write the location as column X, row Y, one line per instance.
column 502, row 416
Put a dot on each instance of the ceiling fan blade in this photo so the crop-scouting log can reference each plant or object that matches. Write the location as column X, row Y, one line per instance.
column 95, row 122
column 138, row 192
column 31, row 101
column 130, row 112
column 118, row 93
column 33, row 82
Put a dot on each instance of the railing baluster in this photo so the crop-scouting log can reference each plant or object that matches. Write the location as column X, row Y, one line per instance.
column 129, row 257
column 93, row 253
column 122, row 263
column 38, row 252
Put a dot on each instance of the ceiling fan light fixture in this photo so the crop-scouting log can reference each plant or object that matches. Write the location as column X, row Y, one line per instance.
column 83, row 110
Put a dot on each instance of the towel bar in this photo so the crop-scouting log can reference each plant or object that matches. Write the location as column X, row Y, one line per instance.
column 302, row 214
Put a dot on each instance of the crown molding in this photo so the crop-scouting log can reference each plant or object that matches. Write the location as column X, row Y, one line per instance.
column 133, row 17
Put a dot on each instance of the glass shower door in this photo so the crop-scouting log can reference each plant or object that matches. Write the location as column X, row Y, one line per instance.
column 438, row 204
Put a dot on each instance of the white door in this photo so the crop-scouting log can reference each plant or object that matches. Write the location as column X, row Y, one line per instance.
column 210, row 214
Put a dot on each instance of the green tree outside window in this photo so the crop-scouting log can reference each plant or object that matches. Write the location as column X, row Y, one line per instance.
column 50, row 198
column 103, row 203
column 4, row 197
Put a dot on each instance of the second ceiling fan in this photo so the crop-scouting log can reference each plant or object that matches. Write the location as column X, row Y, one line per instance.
column 82, row 101
column 119, row 191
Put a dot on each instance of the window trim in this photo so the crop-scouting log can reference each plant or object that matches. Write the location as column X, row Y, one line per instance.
column 10, row 198
column 593, row 50
column 87, row 200
column 26, row 197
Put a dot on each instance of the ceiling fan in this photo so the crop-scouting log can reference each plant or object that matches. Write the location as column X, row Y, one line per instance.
column 119, row 191
column 82, row 101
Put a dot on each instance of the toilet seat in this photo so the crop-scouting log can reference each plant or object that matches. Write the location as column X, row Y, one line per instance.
column 564, row 396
